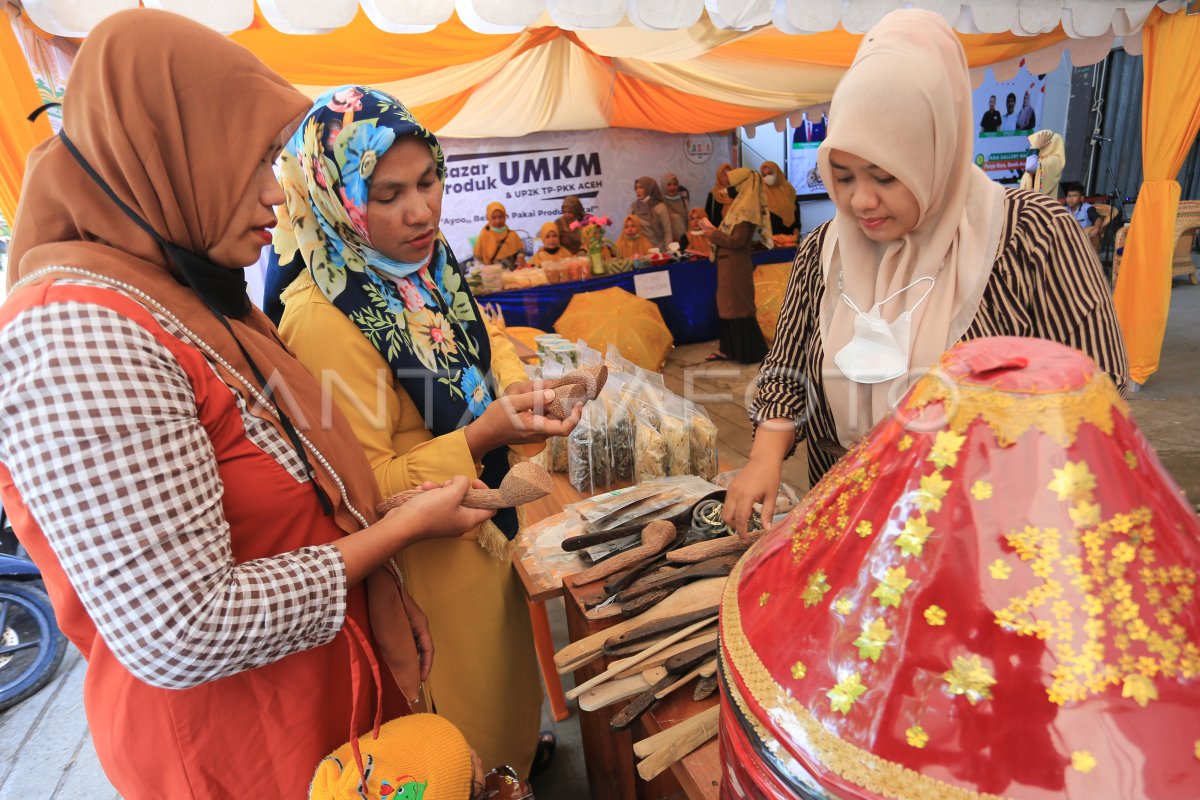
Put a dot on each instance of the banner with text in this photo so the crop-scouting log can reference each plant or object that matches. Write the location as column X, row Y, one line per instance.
column 531, row 176
column 1006, row 112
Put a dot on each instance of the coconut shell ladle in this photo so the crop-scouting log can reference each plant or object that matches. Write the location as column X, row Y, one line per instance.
column 524, row 483
column 577, row 386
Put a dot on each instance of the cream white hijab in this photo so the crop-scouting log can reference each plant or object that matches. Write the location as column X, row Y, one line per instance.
column 905, row 106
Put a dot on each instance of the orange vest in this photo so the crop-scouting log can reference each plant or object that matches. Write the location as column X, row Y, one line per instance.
column 261, row 732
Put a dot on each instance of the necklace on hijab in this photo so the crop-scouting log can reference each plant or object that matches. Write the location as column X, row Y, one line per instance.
column 878, row 351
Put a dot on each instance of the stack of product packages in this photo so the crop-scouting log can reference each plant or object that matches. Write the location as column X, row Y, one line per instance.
column 636, row 430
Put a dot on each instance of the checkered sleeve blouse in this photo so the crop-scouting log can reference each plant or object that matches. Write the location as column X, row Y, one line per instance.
column 100, row 430
column 1046, row 283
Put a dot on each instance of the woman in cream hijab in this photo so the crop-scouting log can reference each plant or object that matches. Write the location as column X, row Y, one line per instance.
column 923, row 251
column 1044, row 168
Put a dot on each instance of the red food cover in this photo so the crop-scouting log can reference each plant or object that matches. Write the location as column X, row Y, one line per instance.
column 991, row 595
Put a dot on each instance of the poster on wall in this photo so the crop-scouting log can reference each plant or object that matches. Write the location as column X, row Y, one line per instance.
column 802, row 158
column 1006, row 112
column 531, row 176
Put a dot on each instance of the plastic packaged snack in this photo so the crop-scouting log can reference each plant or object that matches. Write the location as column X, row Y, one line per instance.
column 579, row 453
column 599, row 450
column 676, row 439
column 702, row 435
column 650, row 448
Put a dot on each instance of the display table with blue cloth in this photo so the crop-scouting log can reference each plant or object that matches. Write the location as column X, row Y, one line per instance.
column 690, row 311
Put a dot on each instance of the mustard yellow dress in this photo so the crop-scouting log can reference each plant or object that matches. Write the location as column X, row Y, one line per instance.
column 485, row 675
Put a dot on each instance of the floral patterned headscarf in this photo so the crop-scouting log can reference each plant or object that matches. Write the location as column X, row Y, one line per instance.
column 420, row 317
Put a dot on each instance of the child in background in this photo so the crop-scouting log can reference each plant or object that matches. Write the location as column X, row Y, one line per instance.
column 633, row 241
column 551, row 249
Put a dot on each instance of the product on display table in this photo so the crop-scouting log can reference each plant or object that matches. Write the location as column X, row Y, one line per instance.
column 991, row 595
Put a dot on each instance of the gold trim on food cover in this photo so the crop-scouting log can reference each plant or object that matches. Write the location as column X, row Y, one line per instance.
column 1009, row 414
column 848, row 761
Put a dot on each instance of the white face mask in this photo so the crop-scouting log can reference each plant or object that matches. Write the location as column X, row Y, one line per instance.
column 771, row 180
column 878, row 351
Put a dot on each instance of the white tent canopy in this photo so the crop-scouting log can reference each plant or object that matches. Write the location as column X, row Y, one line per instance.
column 1078, row 18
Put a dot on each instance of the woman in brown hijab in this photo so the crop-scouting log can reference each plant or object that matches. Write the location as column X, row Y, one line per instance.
column 746, row 223
column 719, row 199
column 781, row 199
column 205, row 526
column 648, row 206
column 572, row 211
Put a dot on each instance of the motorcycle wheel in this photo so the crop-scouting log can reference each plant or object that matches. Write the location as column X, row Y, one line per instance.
column 31, row 645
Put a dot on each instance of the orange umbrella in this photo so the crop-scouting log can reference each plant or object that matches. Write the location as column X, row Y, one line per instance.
column 770, row 282
column 614, row 316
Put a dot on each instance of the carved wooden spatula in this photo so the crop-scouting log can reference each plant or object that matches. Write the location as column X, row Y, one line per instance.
column 524, row 483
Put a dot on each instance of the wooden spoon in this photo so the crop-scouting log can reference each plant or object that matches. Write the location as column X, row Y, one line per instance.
column 656, row 537
column 591, row 377
column 712, row 548
column 565, row 399
column 704, row 593
column 524, row 483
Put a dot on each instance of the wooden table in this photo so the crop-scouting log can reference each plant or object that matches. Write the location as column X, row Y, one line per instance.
column 609, row 755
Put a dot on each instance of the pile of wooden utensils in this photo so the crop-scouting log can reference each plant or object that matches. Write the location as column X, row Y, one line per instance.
column 667, row 592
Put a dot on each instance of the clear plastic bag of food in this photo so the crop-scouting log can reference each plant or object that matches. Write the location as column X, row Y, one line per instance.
column 579, row 452
column 601, row 453
column 619, row 430
column 556, row 446
column 702, row 435
column 676, row 439
column 649, row 448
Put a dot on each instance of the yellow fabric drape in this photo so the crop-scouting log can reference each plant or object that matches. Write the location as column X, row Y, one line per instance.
column 18, row 96
column 1170, row 122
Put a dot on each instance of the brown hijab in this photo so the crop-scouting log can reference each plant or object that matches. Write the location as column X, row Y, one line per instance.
column 781, row 198
column 176, row 118
column 910, row 66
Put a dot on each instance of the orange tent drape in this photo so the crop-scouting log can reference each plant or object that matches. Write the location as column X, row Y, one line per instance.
column 362, row 53
column 18, row 96
column 1170, row 121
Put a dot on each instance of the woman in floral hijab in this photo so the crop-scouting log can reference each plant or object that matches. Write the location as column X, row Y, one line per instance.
column 380, row 312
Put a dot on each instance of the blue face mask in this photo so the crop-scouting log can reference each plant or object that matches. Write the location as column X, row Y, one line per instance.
column 390, row 266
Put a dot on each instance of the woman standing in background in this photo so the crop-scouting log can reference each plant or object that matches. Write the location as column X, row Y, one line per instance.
column 781, row 200
column 746, row 220
column 718, row 199
column 677, row 199
column 652, row 211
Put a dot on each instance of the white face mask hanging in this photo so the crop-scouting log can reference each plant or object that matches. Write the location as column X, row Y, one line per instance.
column 771, row 180
column 878, row 351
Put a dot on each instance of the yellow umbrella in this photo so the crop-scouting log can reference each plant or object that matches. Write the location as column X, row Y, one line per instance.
column 770, row 282
column 614, row 316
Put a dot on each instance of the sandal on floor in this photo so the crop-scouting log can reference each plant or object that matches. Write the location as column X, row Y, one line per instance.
column 547, row 744
column 716, row 357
